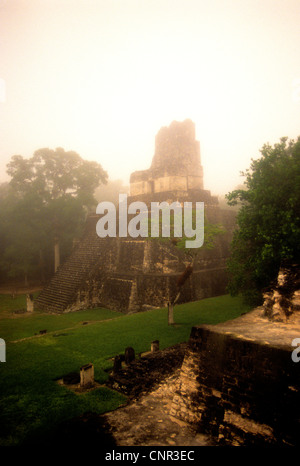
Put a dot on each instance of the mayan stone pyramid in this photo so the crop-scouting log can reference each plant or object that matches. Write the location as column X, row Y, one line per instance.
column 135, row 274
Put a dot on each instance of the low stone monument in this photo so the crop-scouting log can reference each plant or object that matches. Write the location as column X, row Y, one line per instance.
column 117, row 364
column 29, row 302
column 129, row 355
column 154, row 346
column 87, row 376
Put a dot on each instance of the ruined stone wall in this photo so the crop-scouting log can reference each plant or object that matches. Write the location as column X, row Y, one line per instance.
column 132, row 275
column 149, row 185
column 147, row 283
column 240, row 390
column 191, row 195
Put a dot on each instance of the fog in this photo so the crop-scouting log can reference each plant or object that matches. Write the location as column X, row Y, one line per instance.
column 101, row 77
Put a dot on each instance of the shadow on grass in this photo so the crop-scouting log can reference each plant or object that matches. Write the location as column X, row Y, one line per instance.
column 87, row 429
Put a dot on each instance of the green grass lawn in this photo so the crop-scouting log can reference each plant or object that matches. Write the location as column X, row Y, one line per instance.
column 31, row 401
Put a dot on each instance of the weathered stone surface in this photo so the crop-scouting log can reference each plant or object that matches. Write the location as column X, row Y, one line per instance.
column 154, row 346
column 147, row 372
column 282, row 301
column 175, row 165
column 117, row 364
column 87, row 376
column 145, row 421
column 129, row 356
column 29, row 303
column 132, row 275
column 239, row 384
column 233, row 383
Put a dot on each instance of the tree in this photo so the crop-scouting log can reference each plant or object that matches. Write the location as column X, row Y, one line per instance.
column 222, row 200
column 50, row 195
column 268, row 220
column 21, row 234
column 211, row 231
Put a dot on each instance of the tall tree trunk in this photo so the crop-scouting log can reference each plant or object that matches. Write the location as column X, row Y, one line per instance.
column 56, row 255
column 170, row 313
column 180, row 282
column 171, row 309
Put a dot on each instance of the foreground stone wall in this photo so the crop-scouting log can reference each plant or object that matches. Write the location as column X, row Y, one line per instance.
column 239, row 384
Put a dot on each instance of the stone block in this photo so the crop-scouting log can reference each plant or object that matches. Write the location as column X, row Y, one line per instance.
column 117, row 364
column 155, row 346
column 87, row 376
column 129, row 355
column 29, row 303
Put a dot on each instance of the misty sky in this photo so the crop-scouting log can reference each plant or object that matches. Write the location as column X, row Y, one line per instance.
column 101, row 77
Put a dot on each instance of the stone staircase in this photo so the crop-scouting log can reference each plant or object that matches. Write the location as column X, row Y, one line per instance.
column 62, row 288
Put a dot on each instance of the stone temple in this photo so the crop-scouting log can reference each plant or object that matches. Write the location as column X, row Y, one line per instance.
column 135, row 274
column 176, row 163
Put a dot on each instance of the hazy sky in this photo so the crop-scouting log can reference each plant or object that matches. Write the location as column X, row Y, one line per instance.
column 101, row 77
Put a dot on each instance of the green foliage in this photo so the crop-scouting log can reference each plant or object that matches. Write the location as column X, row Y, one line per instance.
column 268, row 221
column 211, row 231
column 53, row 174
column 45, row 202
column 22, row 233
